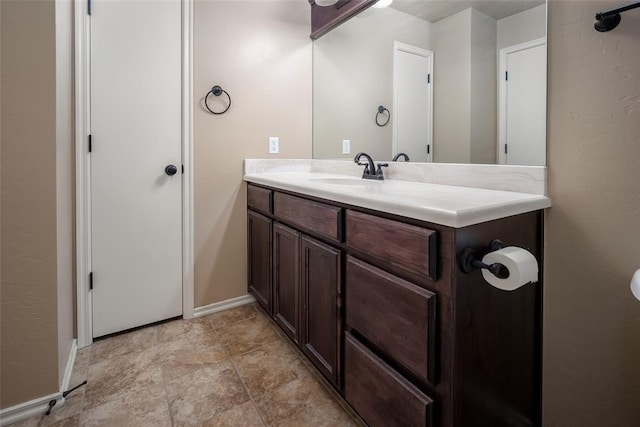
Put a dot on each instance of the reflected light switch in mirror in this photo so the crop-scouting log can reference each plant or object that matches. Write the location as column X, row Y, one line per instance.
column 346, row 146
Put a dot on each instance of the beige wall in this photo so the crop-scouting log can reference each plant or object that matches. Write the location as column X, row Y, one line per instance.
column 353, row 75
column 260, row 52
column 29, row 350
column 591, row 320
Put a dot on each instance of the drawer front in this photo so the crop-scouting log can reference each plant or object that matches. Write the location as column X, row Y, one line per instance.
column 403, row 245
column 259, row 198
column 379, row 394
column 396, row 316
column 317, row 217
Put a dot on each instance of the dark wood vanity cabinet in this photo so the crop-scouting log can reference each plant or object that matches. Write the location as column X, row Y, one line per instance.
column 379, row 305
column 304, row 272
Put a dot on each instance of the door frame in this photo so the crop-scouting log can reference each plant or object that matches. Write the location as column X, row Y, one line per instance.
column 502, row 92
column 83, row 169
column 404, row 47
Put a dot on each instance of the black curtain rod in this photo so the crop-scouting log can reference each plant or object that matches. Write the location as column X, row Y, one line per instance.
column 607, row 21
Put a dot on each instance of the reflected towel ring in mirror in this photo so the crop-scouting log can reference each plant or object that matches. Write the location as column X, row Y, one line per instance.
column 217, row 91
column 381, row 110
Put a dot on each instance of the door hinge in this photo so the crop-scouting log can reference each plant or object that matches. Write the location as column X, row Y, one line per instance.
column 88, row 7
column 428, row 78
column 505, row 148
column 89, row 141
column 506, row 75
column 428, row 148
column 91, row 280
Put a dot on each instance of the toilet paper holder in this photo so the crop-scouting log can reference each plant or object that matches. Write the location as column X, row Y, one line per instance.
column 469, row 261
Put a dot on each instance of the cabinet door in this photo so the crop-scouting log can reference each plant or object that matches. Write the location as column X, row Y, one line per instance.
column 286, row 268
column 259, row 253
column 321, row 324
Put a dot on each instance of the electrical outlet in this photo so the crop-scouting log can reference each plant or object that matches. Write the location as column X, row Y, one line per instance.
column 274, row 145
column 346, row 146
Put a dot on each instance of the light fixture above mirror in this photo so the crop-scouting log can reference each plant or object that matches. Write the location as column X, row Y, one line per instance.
column 382, row 3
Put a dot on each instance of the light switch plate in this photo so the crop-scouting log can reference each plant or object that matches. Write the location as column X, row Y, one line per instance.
column 346, row 146
column 274, row 145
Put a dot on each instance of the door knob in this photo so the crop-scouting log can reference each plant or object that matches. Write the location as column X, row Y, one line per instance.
column 171, row 170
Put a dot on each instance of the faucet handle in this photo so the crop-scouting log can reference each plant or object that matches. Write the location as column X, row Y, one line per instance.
column 366, row 166
column 379, row 174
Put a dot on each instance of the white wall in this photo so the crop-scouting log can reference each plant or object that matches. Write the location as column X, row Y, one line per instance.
column 483, row 108
column 521, row 27
column 465, row 88
column 64, row 179
column 452, row 88
column 353, row 75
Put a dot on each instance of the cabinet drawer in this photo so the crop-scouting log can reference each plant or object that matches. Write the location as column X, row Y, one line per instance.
column 396, row 316
column 259, row 198
column 402, row 245
column 379, row 394
column 317, row 217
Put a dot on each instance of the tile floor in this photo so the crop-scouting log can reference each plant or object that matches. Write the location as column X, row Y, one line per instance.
column 232, row 368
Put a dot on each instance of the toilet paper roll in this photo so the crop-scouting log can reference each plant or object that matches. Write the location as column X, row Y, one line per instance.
column 522, row 265
column 635, row 284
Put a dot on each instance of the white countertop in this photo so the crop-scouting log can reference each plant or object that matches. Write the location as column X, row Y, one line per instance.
column 448, row 205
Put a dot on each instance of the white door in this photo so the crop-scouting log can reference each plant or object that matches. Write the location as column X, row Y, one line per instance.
column 524, row 104
column 136, row 224
column 412, row 102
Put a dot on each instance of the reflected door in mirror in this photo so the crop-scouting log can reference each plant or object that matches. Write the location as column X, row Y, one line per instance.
column 412, row 101
column 523, row 104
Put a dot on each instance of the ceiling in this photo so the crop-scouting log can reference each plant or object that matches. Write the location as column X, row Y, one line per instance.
column 435, row 10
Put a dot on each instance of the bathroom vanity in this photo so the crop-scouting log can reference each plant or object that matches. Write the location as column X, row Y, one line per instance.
column 371, row 292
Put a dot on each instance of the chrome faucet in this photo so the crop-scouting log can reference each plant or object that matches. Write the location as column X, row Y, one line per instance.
column 370, row 170
column 397, row 156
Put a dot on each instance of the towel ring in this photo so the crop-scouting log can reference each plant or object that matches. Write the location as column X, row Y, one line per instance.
column 381, row 110
column 217, row 91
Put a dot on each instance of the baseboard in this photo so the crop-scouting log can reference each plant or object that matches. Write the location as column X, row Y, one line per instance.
column 69, row 368
column 223, row 305
column 40, row 405
column 28, row 409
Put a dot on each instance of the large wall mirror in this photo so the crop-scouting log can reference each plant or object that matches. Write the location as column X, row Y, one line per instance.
column 459, row 82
